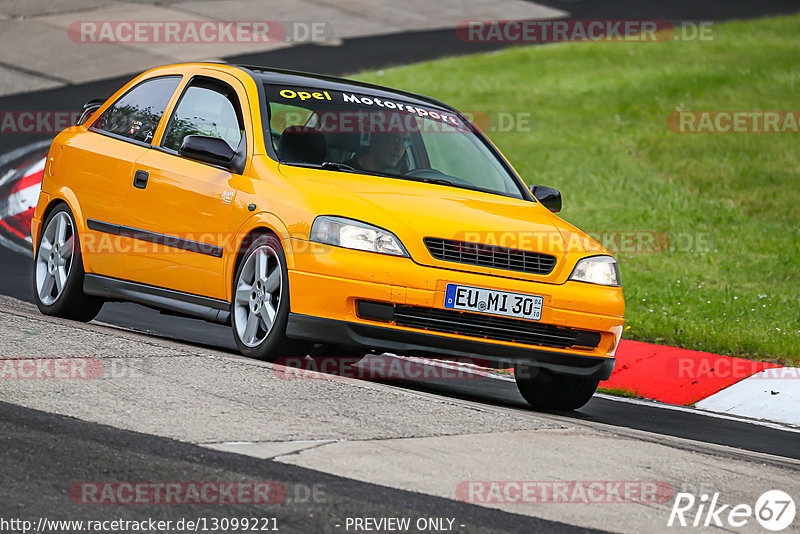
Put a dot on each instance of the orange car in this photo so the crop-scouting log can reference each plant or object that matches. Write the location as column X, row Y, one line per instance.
column 307, row 210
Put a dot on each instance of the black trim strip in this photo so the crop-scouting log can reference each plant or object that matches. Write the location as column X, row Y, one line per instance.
column 152, row 237
column 217, row 311
column 99, row 226
column 118, row 137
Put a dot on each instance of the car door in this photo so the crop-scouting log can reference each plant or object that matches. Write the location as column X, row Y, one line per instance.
column 101, row 162
column 181, row 208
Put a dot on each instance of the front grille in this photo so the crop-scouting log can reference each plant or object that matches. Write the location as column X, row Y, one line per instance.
column 490, row 256
column 492, row 327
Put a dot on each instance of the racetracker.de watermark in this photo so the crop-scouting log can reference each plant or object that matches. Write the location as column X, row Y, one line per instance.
column 68, row 368
column 198, row 31
column 734, row 122
column 389, row 121
column 564, row 491
column 37, row 121
column 593, row 30
column 191, row 492
column 614, row 241
column 196, row 492
column 735, row 368
column 380, row 367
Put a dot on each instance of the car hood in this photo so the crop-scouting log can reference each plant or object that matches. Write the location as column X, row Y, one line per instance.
column 413, row 211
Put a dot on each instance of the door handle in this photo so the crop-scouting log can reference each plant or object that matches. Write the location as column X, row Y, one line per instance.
column 140, row 179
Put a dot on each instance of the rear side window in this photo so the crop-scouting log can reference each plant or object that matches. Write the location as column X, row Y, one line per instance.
column 136, row 114
column 207, row 107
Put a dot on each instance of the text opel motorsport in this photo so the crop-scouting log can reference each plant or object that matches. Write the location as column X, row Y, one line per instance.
column 304, row 209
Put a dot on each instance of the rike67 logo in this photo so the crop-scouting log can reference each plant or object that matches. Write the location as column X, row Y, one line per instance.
column 774, row 510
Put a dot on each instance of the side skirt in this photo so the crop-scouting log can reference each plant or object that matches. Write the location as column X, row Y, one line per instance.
column 213, row 310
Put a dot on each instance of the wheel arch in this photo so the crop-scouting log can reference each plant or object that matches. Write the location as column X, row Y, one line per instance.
column 52, row 204
column 66, row 197
column 253, row 228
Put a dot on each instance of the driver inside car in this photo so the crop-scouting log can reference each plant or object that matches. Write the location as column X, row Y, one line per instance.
column 384, row 153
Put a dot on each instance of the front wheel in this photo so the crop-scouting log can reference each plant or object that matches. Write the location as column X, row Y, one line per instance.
column 550, row 391
column 58, row 271
column 260, row 304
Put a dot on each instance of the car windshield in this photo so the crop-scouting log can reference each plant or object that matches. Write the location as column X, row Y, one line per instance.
column 352, row 132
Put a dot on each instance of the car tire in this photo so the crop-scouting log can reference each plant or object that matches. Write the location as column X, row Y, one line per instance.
column 260, row 303
column 58, row 270
column 547, row 390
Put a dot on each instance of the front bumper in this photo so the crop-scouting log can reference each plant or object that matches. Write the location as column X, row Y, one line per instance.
column 421, row 344
column 326, row 282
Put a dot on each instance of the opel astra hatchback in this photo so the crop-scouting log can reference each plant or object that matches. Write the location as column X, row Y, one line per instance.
column 304, row 210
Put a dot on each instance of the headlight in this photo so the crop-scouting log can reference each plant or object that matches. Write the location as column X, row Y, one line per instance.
column 601, row 270
column 357, row 235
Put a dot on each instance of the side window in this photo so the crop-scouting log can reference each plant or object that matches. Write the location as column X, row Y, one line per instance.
column 137, row 113
column 207, row 107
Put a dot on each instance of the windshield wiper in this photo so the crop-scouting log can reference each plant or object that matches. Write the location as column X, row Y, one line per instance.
column 440, row 181
column 334, row 166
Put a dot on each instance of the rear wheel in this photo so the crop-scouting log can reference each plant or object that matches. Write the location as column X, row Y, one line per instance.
column 58, row 271
column 547, row 390
column 260, row 306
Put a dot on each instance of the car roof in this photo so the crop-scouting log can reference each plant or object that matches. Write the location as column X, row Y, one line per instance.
column 331, row 83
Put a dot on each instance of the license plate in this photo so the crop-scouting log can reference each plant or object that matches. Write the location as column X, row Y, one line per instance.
column 477, row 299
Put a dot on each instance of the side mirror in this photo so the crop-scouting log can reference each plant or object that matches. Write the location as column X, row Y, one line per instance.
column 549, row 197
column 88, row 110
column 207, row 149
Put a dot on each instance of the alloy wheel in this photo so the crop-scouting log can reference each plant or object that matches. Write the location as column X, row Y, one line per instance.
column 258, row 296
column 54, row 260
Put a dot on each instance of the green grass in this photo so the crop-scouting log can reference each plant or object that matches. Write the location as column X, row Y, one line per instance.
column 600, row 135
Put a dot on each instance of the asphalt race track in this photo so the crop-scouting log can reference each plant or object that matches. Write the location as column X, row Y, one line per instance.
column 172, row 460
column 60, row 438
